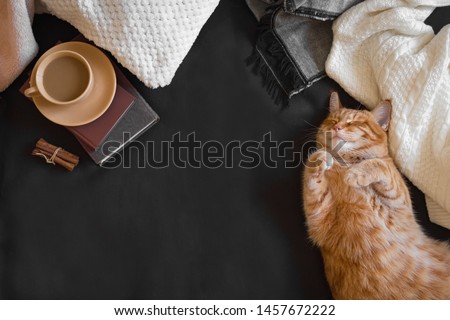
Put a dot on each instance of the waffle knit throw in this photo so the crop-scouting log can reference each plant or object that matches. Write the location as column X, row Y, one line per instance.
column 148, row 37
column 382, row 49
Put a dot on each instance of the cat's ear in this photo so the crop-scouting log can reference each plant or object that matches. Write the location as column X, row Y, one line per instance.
column 335, row 103
column 382, row 114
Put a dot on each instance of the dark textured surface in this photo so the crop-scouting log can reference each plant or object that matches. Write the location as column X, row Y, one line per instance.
column 143, row 233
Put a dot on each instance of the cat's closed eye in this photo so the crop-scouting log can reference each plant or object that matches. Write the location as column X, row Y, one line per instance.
column 331, row 122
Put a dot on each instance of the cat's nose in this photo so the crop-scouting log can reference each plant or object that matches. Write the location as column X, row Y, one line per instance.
column 337, row 128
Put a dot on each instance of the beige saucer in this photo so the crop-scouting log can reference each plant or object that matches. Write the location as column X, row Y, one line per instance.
column 94, row 105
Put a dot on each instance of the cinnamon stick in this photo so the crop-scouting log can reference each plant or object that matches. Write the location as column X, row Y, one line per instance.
column 63, row 154
column 55, row 155
column 45, row 154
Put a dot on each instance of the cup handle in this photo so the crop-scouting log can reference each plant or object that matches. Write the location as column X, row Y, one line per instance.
column 32, row 92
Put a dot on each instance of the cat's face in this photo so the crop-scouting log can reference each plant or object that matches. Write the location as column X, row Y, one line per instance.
column 355, row 134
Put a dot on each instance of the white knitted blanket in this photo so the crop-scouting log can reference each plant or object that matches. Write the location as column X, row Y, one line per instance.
column 148, row 37
column 382, row 49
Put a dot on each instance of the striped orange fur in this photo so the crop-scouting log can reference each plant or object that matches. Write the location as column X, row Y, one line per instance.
column 358, row 211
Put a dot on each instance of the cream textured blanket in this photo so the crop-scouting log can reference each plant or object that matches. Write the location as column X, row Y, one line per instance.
column 148, row 37
column 382, row 49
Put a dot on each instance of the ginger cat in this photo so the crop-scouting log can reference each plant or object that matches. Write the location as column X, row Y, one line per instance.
column 358, row 211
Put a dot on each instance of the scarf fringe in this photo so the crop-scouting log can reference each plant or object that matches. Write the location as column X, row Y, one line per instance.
column 269, row 81
column 266, row 38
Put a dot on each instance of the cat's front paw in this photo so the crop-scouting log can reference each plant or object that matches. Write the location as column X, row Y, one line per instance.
column 319, row 162
column 354, row 177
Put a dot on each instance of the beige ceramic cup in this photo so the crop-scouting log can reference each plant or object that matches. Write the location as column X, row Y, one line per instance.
column 63, row 77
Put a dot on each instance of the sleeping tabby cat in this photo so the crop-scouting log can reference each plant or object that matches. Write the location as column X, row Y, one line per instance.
column 358, row 211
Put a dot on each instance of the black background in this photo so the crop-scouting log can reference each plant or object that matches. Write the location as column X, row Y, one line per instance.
column 134, row 233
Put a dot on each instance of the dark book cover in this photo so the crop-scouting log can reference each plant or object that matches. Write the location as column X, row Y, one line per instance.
column 94, row 133
column 139, row 117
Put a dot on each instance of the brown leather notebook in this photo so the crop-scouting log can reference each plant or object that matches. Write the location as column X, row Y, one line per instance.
column 138, row 119
column 94, row 133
